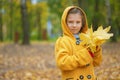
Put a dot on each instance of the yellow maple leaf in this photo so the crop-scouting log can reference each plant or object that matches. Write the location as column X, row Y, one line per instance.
column 92, row 39
column 102, row 33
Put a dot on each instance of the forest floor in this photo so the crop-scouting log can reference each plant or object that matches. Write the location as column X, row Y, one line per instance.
column 36, row 62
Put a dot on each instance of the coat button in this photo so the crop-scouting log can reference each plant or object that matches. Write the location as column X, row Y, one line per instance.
column 89, row 76
column 87, row 64
column 77, row 42
column 81, row 77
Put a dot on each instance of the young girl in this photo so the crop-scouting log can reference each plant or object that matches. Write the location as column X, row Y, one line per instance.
column 74, row 60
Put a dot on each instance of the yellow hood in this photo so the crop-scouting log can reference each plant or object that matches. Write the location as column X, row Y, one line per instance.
column 65, row 28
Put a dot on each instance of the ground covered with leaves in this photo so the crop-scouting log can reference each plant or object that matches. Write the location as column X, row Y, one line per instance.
column 36, row 62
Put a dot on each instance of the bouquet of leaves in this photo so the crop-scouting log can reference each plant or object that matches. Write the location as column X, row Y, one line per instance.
column 91, row 38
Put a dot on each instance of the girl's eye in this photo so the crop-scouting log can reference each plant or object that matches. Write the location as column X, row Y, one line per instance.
column 78, row 22
column 70, row 21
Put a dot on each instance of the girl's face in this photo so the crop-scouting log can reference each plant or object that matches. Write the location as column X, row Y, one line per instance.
column 74, row 22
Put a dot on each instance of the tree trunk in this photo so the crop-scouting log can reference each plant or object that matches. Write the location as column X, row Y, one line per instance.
column 25, row 23
column 80, row 2
column 11, row 21
column 38, row 13
column 95, row 20
column 108, row 20
column 1, row 30
column 83, row 4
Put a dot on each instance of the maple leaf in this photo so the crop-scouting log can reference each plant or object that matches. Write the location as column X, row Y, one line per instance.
column 91, row 38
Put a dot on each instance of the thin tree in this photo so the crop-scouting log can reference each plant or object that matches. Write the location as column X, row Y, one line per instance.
column 38, row 20
column 95, row 19
column 25, row 23
column 82, row 4
column 1, row 32
column 108, row 19
column 11, row 20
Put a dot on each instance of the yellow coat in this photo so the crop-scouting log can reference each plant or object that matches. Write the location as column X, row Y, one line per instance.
column 74, row 61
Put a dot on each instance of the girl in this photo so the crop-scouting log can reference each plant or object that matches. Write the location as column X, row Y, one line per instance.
column 74, row 60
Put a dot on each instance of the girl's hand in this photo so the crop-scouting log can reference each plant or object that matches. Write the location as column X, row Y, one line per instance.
column 90, row 52
column 98, row 48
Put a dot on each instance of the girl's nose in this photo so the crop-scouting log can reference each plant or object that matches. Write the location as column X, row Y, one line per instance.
column 74, row 24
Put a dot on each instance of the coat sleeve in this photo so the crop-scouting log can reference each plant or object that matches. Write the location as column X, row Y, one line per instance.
column 65, row 61
column 97, row 57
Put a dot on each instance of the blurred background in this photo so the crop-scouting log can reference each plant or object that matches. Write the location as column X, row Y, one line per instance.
column 24, row 21
column 29, row 29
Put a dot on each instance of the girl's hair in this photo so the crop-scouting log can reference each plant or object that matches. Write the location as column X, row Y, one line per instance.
column 77, row 10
